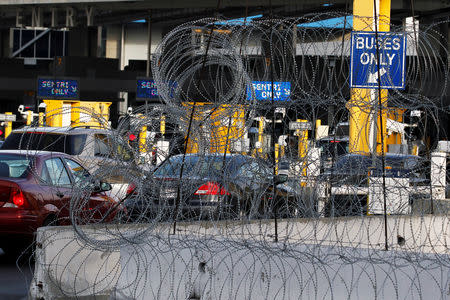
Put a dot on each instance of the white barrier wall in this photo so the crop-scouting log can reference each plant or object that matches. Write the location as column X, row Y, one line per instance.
column 223, row 269
column 314, row 258
column 66, row 266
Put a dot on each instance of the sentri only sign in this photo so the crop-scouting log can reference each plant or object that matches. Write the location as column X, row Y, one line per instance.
column 390, row 57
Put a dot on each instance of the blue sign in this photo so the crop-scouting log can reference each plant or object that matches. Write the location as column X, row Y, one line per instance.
column 57, row 88
column 364, row 60
column 147, row 89
column 263, row 91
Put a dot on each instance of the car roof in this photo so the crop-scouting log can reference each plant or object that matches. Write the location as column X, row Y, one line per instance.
column 32, row 152
column 333, row 138
column 60, row 130
column 228, row 155
column 387, row 155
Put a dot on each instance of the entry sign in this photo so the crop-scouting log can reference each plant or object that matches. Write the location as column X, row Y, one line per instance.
column 363, row 60
column 263, row 90
column 51, row 88
column 146, row 89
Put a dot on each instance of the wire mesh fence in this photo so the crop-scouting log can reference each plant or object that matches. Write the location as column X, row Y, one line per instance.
column 263, row 175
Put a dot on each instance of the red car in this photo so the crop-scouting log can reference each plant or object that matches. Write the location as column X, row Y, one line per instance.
column 36, row 188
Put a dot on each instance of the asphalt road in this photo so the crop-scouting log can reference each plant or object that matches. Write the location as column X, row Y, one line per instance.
column 15, row 276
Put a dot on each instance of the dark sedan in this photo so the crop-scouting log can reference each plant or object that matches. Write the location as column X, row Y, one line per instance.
column 351, row 172
column 212, row 186
column 36, row 188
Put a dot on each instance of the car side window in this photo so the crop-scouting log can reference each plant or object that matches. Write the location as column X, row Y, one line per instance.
column 101, row 147
column 78, row 172
column 56, row 173
column 253, row 170
column 245, row 171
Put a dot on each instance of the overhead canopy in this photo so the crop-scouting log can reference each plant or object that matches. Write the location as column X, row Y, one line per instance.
column 179, row 11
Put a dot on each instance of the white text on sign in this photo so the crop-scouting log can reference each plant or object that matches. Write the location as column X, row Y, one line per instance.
column 368, row 43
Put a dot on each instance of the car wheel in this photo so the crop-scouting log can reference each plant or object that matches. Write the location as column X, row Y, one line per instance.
column 51, row 220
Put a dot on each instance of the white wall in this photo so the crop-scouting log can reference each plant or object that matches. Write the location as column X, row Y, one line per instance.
column 135, row 41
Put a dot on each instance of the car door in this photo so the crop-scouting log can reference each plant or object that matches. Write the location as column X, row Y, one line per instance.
column 56, row 176
column 252, row 179
column 94, row 206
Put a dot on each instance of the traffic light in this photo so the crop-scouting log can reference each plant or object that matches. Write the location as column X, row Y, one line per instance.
column 133, row 140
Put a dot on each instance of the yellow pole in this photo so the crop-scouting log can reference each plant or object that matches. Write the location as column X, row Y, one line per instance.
column 318, row 124
column 41, row 119
column 163, row 125
column 277, row 151
column 383, row 25
column 302, row 149
column 260, row 134
column 143, row 139
column 360, row 105
column 29, row 117
column 8, row 126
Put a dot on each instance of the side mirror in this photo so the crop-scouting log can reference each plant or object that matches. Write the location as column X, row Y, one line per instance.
column 105, row 186
column 101, row 187
column 281, row 178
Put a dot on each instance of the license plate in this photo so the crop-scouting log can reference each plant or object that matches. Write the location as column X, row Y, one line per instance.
column 168, row 193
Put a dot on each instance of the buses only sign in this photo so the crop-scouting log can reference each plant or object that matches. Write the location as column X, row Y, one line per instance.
column 365, row 58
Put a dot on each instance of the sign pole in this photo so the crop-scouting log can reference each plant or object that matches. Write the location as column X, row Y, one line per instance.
column 362, row 119
column 149, row 50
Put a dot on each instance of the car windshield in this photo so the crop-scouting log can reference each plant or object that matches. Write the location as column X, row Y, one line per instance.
column 71, row 144
column 198, row 166
column 14, row 166
column 361, row 163
column 333, row 148
column 109, row 146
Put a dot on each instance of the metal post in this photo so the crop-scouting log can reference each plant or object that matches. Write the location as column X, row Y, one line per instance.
column 149, row 52
column 149, row 45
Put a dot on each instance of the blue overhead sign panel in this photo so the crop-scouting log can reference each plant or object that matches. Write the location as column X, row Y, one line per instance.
column 51, row 88
column 263, row 90
column 391, row 60
column 147, row 89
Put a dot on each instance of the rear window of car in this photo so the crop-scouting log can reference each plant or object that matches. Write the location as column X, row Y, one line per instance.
column 358, row 164
column 197, row 166
column 72, row 144
column 354, row 164
column 14, row 166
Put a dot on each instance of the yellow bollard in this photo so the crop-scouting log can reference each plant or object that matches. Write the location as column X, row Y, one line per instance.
column 260, row 134
column 41, row 119
column 143, row 139
column 302, row 149
column 162, row 126
column 8, row 126
column 29, row 117
column 318, row 124
column 277, row 150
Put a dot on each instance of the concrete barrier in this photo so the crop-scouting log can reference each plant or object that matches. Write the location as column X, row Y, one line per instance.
column 222, row 260
column 223, row 269
column 66, row 267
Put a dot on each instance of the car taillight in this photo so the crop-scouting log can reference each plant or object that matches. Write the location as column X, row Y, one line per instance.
column 17, row 197
column 131, row 188
column 211, row 188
